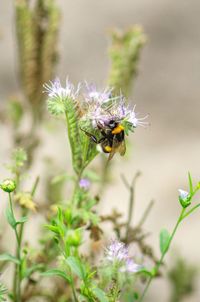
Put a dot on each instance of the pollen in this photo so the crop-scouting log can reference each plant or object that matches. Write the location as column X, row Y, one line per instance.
column 108, row 149
column 118, row 129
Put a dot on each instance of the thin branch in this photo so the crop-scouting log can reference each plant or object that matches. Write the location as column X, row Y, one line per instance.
column 146, row 213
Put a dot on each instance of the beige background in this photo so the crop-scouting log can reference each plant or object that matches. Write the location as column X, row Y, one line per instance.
column 167, row 88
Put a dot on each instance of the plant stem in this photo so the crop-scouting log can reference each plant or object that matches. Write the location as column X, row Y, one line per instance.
column 73, row 290
column 16, row 281
column 156, row 269
column 190, row 211
column 131, row 188
column 19, row 237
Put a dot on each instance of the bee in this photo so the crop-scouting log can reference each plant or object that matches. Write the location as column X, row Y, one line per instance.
column 112, row 140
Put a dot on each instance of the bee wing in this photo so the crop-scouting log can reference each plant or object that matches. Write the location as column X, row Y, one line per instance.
column 117, row 147
column 122, row 148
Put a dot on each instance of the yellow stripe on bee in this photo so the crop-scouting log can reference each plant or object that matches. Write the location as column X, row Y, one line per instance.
column 107, row 148
column 117, row 129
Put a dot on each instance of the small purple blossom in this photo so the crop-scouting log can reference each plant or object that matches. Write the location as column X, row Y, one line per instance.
column 183, row 194
column 116, row 251
column 131, row 267
column 92, row 94
column 55, row 89
column 132, row 118
column 84, row 183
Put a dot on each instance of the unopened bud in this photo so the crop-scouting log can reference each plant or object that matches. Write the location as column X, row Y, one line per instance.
column 8, row 185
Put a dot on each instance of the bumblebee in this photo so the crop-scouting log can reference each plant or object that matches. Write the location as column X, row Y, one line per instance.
column 112, row 139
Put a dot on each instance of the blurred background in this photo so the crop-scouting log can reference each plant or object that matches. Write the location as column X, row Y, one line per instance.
column 167, row 88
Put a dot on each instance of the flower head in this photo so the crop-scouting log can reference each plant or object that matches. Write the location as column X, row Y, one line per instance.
column 84, row 183
column 55, row 89
column 183, row 194
column 101, row 107
column 116, row 251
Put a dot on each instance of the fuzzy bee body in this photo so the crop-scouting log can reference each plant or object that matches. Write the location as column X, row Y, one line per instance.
column 112, row 139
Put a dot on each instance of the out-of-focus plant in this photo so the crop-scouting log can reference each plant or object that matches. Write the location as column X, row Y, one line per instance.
column 12, row 186
column 37, row 33
column 124, row 53
column 3, row 291
column 182, row 277
column 187, row 208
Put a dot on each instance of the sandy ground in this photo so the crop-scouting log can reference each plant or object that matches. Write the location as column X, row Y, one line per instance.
column 167, row 89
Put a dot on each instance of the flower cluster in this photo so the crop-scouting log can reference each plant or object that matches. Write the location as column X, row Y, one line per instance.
column 117, row 253
column 97, row 107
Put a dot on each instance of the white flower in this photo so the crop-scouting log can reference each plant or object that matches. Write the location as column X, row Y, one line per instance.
column 55, row 89
column 183, row 194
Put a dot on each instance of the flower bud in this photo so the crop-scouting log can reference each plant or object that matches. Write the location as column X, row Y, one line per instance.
column 8, row 185
column 184, row 198
column 73, row 238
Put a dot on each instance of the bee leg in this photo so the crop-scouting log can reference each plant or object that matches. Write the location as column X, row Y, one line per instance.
column 93, row 137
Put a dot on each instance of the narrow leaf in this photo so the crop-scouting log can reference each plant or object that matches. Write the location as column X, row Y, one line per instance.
column 8, row 257
column 190, row 183
column 22, row 220
column 76, row 267
column 55, row 272
column 164, row 240
column 10, row 218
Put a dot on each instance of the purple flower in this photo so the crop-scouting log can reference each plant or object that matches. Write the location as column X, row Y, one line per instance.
column 55, row 89
column 92, row 94
column 131, row 267
column 116, row 251
column 84, row 183
column 102, row 107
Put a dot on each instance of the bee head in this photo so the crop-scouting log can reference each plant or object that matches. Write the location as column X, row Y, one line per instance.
column 112, row 124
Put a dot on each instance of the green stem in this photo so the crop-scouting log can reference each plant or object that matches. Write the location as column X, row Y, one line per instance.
column 16, row 282
column 181, row 217
column 73, row 290
column 19, row 237
column 190, row 211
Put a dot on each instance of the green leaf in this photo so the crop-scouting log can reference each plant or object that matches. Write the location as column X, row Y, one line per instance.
column 76, row 267
column 8, row 257
column 190, row 183
column 164, row 240
column 100, row 294
column 56, row 272
column 54, row 229
column 145, row 272
column 10, row 218
column 34, row 268
column 56, row 106
column 22, row 220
